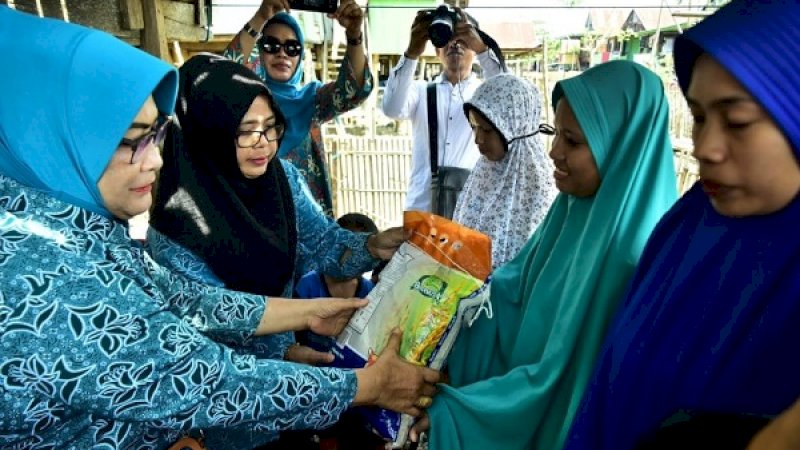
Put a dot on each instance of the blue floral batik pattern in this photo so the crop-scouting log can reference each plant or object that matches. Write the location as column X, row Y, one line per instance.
column 100, row 347
column 320, row 246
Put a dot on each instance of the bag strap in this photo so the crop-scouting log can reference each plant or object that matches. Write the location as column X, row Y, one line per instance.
column 433, row 129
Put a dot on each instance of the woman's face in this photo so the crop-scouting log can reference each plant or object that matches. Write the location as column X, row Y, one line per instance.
column 576, row 171
column 747, row 167
column 254, row 148
column 490, row 143
column 280, row 66
column 126, row 188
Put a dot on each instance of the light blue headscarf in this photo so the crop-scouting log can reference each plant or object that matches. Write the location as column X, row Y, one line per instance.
column 69, row 94
column 518, row 378
column 295, row 100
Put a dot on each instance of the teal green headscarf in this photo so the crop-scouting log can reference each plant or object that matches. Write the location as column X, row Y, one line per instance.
column 518, row 378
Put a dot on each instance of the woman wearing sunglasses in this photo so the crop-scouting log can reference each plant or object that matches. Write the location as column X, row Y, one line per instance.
column 101, row 347
column 276, row 54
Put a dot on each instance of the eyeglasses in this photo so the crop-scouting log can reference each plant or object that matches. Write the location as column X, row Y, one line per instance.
column 543, row 129
column 155, row 136
column 250, row 138
column 271, row 45
column 546, row 129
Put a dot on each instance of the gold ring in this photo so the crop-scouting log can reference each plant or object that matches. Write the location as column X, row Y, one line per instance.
column 424, row 402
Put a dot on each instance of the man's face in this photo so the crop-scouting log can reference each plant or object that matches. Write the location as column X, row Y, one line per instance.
column 455, row 56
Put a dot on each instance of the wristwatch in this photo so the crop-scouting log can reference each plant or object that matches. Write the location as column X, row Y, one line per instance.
column 356, row 41
column 251, row 31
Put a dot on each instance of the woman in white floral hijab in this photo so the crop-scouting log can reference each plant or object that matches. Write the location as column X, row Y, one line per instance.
column 511, row 188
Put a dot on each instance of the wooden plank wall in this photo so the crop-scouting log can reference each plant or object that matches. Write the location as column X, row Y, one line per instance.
column 151, row 24
column 370, row 175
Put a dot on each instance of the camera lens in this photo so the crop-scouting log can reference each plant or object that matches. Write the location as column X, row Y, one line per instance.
column 440, row 31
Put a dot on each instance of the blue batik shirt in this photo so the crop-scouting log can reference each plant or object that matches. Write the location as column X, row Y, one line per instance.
column 100, row 347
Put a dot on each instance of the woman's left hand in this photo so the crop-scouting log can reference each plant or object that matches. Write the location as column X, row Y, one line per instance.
column 350, row 16
column 383, row 245
column 422, row 425
column 329, row 316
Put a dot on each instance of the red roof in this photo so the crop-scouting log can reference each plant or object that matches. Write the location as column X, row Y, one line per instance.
column 513, row 35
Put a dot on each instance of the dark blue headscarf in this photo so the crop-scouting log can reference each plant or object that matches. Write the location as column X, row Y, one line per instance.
column 758, row 41
column 711, row 321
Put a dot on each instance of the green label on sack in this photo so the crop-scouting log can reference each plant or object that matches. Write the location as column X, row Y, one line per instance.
column 430, row 286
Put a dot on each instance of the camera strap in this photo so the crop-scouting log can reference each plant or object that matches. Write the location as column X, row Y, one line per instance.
column 433, row 129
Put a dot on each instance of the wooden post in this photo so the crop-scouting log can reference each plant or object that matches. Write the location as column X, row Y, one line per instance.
column 325, row 48
column 372, row 101
column 200, row 13
column 177, row 53
column 657, row 37
column 64, row 11
column 546, row 90
column 154, row 35
column 132, row 14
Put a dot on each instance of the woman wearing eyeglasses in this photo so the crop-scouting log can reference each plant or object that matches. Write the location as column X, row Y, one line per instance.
column 224, row 196
column 511, row 187
column 517, row 378
column 240, row 216
column 272, row 45
column 101, row 347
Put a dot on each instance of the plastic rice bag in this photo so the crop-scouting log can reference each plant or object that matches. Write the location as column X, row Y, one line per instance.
column 432, row 285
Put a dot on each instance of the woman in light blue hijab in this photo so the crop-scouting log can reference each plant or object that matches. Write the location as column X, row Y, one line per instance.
column 100, row 347
column 517, row 378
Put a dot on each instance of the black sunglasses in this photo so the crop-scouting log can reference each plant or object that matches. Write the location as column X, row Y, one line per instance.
column 271, row 45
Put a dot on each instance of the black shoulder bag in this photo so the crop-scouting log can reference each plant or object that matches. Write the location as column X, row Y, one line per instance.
column 446, row 182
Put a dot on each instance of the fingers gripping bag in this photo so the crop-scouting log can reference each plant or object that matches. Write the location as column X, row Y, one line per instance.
column 435, row 282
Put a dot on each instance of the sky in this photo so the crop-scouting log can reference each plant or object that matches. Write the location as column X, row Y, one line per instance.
column 551, row 14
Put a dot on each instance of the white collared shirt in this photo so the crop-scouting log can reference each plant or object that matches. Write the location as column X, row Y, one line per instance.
column 406, row 98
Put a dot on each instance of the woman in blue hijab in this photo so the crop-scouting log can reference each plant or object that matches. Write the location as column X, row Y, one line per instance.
column 272, row 44
column 100, row 347
column 709, row 325
column 517, row 378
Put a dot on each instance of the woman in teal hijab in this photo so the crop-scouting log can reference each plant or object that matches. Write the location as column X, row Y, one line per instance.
column 517, row 378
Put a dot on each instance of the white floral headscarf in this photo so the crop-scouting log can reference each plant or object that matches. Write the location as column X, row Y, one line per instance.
column 508, row 199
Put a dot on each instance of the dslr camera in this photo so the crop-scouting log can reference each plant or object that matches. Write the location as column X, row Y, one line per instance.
column 443, row 20
column 326, row 6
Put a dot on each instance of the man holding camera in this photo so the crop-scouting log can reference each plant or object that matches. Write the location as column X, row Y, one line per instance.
column 443, row 138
